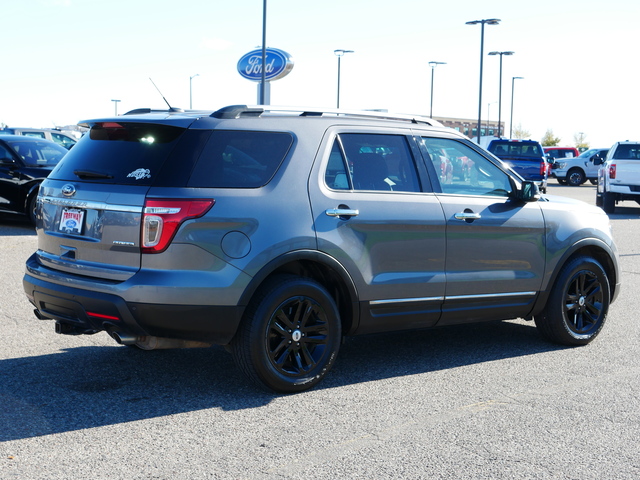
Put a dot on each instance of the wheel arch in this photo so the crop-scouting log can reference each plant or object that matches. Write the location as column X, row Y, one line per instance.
column 591, row 247
column 320, row 267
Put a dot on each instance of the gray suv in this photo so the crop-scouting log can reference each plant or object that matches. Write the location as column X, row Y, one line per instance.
column 276, row 232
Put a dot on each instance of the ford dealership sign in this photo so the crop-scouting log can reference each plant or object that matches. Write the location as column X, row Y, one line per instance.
column 278, row 64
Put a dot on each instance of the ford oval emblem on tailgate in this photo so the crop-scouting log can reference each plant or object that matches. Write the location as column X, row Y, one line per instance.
column 68, row 190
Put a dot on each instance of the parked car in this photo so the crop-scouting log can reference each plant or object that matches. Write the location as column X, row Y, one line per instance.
column 24, row 164
column 619, row 176
column 561, row 152
column 275, row 232
column 576, row 171
column 526, row 157
column 65, row 139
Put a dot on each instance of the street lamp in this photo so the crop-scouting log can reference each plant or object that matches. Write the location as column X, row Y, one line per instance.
column 191, row 90
column 433, row 66
column 500, row 90
column 339, row 53
column 513, row 79
column 263, row 77
column 490, row 21
column 115, row 102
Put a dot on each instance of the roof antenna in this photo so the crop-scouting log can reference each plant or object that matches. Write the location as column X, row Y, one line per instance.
column 171, row 109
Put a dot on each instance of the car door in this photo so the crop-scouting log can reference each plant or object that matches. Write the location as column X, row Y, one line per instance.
column 495, row 254
column 11, row 180
column 372, row 215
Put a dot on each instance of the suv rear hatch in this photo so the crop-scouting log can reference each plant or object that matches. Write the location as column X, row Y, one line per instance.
column 91, row 205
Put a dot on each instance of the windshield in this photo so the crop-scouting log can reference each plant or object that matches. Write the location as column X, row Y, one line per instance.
column 589, row 153
column 37, row 153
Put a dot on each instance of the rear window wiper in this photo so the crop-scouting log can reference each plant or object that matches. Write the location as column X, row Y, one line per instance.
column 90, row 174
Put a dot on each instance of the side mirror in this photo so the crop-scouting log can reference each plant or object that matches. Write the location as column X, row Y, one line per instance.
column 528, row 192
column 597, row 159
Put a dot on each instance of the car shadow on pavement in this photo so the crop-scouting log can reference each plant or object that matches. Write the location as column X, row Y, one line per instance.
column 89, row 387
column 11, row 226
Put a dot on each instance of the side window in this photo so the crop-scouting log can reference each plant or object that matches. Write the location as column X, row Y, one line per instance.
column 372, row 162
column 461, row 170
column 240, row 159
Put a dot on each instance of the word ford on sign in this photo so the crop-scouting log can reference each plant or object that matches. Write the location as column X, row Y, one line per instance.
column 278, row 64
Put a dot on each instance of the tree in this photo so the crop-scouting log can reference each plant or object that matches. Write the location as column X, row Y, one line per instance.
column 549, row 140
column 581, row 142
column 520, row 133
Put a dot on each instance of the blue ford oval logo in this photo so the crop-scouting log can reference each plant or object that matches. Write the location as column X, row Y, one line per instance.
column 278, row 64
column 68, row 190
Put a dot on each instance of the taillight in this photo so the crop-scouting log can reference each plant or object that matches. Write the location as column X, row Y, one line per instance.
column 543, row 169
column 612, row 170
column 162, row 217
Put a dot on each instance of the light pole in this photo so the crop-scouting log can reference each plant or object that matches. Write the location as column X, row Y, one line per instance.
column 433, row 66
column 115, row 102
column 500, row 90
column 339, row 53
column 513, row 79
column 489, row 21
column 191, row 90
column 263, row 79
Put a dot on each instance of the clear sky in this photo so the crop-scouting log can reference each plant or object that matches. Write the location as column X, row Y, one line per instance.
column 66, row 60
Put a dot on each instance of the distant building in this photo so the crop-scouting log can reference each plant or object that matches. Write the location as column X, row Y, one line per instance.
column 469, row 128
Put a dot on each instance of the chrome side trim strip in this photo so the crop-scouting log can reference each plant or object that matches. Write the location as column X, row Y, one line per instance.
column 492, row 295
column 63, row 202
column 406, row 300
column 455, row 297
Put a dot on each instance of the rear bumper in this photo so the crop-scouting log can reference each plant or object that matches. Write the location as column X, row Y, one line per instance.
column 87, row 311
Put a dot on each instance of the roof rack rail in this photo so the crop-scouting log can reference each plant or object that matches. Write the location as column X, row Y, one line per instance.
column 237, row 111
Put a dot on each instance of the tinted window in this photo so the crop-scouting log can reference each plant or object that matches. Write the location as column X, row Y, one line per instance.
column 120, row 153
column 372, row 162
column 627, row 152
column 35, row 153
column 240, row 159
column 518, row 149
column 461, row 170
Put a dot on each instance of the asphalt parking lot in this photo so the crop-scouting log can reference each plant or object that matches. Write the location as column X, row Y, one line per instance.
column 471, row 402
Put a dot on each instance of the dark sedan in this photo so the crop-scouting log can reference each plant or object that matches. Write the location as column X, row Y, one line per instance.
column 24, row 163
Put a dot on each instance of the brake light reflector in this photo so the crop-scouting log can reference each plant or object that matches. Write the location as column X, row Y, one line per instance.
column 162, row 217
column 612, row 170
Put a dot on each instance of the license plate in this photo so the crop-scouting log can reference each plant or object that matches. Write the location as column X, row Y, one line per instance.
column 71, row 220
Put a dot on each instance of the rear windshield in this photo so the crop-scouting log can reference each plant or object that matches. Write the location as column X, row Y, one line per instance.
column 516, row 149
column 628, row 152
column 240, row 159
column 120, row 153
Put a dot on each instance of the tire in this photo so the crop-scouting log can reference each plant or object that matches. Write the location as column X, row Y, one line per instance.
column 598, row 200
column 31, row 208
column 576, row 177
column 561, row 181
column 577, row 307
column 290, row 335
column 609, row 202
column 594, row 181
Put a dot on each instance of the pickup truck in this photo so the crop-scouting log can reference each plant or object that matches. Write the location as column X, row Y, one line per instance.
column 619, row 176
column 525, row 157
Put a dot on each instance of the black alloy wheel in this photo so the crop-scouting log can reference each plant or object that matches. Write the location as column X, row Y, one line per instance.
column 577, row 307
column 576, row 177
column 290, row 335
